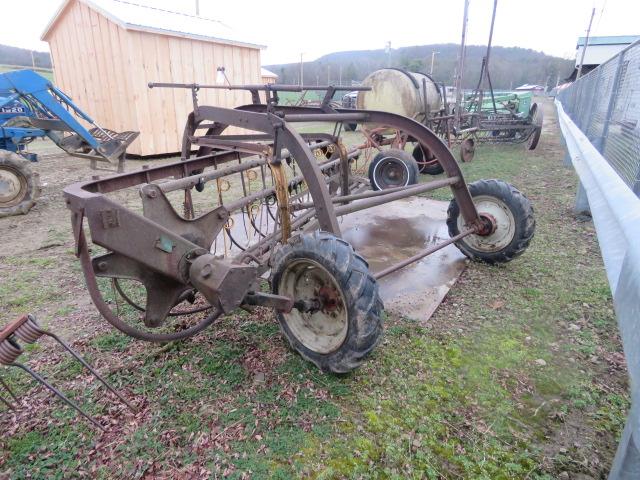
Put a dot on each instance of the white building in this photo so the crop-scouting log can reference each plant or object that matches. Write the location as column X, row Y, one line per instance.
column 601, row 49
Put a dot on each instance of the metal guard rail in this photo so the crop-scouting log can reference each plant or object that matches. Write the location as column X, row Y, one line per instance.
column 616, row 215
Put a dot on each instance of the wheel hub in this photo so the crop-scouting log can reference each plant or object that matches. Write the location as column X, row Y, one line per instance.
column 12, row 186
column 488, row 224
column 392, row 173
column 497, row 227
column 329, row 298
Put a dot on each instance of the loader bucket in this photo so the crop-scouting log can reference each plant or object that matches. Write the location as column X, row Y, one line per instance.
column 111, row 145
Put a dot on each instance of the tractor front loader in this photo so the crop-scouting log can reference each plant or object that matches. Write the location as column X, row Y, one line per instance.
column 32, row 107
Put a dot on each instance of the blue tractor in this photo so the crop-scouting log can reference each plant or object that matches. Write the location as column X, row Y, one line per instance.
column 32, row 107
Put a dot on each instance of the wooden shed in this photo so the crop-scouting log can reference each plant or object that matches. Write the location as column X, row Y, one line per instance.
column 268, row 76
column 105, row 52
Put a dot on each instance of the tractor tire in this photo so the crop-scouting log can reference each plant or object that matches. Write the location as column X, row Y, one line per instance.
column 514, row 222
column 345, row 325
column 18, row 185
column 431, row 168
column 467, row 150
column 392, row 168
column 537, row 118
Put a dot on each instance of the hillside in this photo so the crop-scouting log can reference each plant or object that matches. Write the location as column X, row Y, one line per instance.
column 510, row 67
column 22, row 57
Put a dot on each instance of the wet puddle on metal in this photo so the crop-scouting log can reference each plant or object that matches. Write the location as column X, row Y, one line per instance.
column 387, row 234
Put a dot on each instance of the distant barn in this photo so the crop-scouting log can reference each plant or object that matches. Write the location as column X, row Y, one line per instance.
column 599, row 50
column 105, row 52
column 528, row 87
column 268, row 76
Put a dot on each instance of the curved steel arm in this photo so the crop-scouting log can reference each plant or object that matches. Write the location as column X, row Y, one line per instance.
column 271, row 124
column 422, row 134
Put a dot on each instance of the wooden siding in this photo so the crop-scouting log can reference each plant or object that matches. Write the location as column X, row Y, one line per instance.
column 106, row 68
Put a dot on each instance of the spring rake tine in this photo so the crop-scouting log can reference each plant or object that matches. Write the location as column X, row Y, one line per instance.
column 90, row 368
column 57, row 392
column 30, row 331
column 6, row 387
column 7, row 403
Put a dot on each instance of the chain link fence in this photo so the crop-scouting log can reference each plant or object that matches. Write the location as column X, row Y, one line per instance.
column 599, row 116
column 605, row 105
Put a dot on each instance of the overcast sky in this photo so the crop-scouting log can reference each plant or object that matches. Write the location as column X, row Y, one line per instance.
column 291, row 27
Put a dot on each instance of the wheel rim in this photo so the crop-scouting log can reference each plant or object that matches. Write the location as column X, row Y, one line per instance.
column 390, row 172
column 536, row 121
column 424, row 158
column 467, row 150
column 323, row 330
column 503, row 221
column 13, row 186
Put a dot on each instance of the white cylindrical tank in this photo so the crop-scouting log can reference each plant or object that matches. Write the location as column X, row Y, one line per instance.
column 398, row 91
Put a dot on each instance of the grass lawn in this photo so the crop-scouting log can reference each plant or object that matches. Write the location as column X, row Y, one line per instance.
column 46, row 73
column 519, row 374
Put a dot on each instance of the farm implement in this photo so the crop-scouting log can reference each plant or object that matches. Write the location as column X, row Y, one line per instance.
column 250, row 218
column 30, row 108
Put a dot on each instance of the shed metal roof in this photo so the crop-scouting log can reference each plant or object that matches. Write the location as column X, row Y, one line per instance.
column 529, row 86
column 267, row 73
column 610, row 40
column 133, row 16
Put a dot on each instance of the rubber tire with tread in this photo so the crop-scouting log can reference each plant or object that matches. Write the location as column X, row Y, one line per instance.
column 521, row 209
column 537, row 118
column 434, row 169
column 21, row 166
column 404, row 157
column 360, row 291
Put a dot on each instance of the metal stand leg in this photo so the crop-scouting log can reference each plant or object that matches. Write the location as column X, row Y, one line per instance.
column 58, row 393
column 582, row 202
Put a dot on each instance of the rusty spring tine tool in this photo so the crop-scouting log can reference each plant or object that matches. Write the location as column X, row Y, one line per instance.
column 10, row 351
column 30, row 331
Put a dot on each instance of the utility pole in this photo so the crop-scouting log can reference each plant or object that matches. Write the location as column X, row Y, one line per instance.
column 340, row 76
column 586, row 43
column 388, row 51
column 328, row 74
column 197, row 8
column 486, row 62
column 301, row 70
column 33, row 60
column 460, row 69
column 433, row 54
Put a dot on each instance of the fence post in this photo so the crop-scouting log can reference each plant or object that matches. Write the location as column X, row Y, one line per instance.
column 582, row 201
column 600, row 143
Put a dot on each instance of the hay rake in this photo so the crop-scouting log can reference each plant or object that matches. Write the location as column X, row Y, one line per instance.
column 261, row 205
